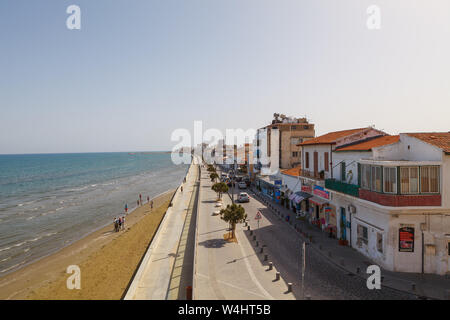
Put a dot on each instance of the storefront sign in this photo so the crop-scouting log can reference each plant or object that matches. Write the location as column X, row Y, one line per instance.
column 306, row 189
column 319, row 191
column 406, row 239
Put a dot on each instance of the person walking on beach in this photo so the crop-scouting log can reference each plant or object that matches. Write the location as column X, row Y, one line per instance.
column 138, row 203
column 181, row 188
column 148, row 199
column 140, row 198
column 120, row 224
column 123, row 223
column 116, row 225
column 126, row 208
column 151, row 204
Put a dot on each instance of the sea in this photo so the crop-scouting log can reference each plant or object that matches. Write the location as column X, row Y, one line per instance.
column 48, row 201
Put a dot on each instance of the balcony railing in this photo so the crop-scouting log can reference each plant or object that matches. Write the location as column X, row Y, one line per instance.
column 343, row 187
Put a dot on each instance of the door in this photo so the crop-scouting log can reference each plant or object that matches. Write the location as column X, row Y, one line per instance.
column 343, row 225
column 316, row 164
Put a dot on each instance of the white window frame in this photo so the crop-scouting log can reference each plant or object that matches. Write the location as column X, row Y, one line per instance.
column 429, row 179
column 395, row 181
column 409, row 180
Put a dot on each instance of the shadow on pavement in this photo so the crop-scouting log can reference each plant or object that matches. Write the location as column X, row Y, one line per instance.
column 213, row 243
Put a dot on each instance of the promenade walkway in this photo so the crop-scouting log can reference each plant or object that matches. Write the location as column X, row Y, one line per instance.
column 352, row 262
column 153, row 277
column 228, row 270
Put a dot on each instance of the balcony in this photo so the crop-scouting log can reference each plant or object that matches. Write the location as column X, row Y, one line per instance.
column 313, row 174
column 350, row 189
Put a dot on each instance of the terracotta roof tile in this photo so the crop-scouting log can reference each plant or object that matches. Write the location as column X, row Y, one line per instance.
column 331, row 137
column 438, row 139
column 296, row 172
column 368, row 144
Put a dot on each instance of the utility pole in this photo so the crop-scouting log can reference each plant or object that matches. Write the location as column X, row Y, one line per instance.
column 303, row 269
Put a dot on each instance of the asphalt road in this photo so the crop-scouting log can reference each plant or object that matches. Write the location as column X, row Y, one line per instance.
column 323, row 279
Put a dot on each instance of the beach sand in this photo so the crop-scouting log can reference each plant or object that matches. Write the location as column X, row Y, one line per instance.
column 107, row 261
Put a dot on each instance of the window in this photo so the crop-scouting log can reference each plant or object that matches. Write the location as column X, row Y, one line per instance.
column 429, row 179
column 296, row 140
column 390, row 180
column 409, row 180
column 307, row 160
column 326, row 161
column 295, row 154
column 362, row 234
column 376, row 179
column 365, row 176
column 380, row 242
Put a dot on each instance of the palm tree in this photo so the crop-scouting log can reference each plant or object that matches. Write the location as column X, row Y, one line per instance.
column 214, row 176
column 219, row 188
column 233, row 214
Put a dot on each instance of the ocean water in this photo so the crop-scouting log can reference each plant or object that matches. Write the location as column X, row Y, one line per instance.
column 48, row 201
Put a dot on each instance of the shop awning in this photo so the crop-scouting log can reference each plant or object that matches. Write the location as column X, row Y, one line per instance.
column 318, row 201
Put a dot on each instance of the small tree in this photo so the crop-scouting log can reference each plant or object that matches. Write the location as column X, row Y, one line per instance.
column 211, row 168
column 220, row 188
column 233, row 214
column 214, row 176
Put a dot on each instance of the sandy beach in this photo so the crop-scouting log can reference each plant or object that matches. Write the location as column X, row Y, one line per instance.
column 107, row 261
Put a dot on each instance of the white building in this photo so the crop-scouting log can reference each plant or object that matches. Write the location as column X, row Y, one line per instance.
column 394, row 207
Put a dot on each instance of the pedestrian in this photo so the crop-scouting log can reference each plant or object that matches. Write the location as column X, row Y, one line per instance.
column 151, row 204
column 148, row 199
column 126, row 208
column 116, row 223
column 138, row 203
column 140, row 198
column 123, row 223
column 181, row 188
column 120, row 223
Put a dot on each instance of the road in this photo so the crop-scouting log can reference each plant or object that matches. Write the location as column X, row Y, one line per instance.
column 323, row 280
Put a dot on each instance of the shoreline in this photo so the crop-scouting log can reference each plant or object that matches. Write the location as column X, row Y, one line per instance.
column 37, row 274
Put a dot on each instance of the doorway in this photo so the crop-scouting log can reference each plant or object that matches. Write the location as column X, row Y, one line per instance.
column 343, row 224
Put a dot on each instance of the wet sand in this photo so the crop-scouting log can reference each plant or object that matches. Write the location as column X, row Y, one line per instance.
column 107, row 261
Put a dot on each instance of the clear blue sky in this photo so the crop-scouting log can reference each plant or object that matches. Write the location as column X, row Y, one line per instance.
column 139, row 69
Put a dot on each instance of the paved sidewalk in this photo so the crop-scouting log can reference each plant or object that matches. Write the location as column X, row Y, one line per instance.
column 351, row 261
column 153, row 276
column 228, row 270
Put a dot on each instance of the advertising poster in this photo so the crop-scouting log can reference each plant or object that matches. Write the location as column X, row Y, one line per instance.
column 406, row 239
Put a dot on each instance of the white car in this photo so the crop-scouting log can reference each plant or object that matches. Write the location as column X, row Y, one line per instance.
column 242, row 185
column 243, row 197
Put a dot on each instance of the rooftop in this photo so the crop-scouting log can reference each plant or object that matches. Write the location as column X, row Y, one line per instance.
column 368, row 144
column 437, row 139
column 296, row 172
column 331, row 137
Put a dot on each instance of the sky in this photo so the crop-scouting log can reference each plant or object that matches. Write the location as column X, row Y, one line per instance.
column 138, row 70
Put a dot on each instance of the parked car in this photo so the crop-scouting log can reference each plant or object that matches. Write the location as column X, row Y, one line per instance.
column 242, row 185
column 243, row 197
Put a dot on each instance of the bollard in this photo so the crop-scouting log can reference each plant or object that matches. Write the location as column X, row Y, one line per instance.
column 358, row 270
column 266, row 257
column 382, row 278
column 413, row 287
column 257, row 243
column 289, row 286
column 262, row 250
column 189, row 293
column 270, row 264
column 248, row 227
column 277, row 276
